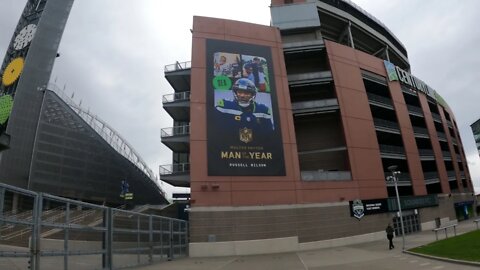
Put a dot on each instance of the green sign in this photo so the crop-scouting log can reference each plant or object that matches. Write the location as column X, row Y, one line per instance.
column 127, row 196
column 222, row 82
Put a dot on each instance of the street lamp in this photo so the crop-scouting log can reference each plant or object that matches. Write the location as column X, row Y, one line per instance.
column 395, row 180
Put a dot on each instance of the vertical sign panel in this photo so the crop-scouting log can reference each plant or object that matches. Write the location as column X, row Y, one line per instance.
column 243, row 127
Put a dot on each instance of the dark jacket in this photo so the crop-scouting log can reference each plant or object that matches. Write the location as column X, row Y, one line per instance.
column 389, row 231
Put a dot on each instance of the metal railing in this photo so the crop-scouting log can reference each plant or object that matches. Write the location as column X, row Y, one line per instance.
column 454, row 141
column 451, row 173
column 111, row 136
column 402, row 178
column 407, row 90
column 449, row 123
column 178, row 66
column 420, row 130
column 441, row 135
column 313, row 176
column 175, row 131
column 174, row 168
column 379, row 99
column 430, row 175
column 307, row 77
column 385, row 124
column 60, row 233
column 414, row 109
column 180, row 96
column 447, row 154
column 392, row 149
column 436, row 117
column 425, row 152
column 311, row 105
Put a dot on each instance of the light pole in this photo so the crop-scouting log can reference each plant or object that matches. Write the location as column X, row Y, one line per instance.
column 395, row 180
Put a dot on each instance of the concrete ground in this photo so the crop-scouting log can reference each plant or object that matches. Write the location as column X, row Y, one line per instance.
column 372, row 255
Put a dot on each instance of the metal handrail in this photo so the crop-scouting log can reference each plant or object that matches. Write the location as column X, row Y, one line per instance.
column 385, row 123
column 430, row 175
column 451, row 173
column 425, row 152
column 412, row 108
column 174, row 168
column 155, row 235
column 446, row 154
column 420, row 130
column 392, row 149
column 111, row 136
column 175, row 131
column 380, row 99
column 449, row 123
column 441, row 135
column 178, row 66
column 180, row 96
column 409, row 91
column 436, row 116
column 326, row 175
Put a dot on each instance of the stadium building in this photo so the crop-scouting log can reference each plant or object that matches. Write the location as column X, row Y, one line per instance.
column 306, row 159
column 476, row 133
column 51, row 144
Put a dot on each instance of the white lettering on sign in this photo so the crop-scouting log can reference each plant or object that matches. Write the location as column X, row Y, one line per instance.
column 415, row 83
column 373, row 206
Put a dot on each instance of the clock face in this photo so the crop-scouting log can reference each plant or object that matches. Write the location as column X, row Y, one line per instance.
column 24, row 37
column 12, row 71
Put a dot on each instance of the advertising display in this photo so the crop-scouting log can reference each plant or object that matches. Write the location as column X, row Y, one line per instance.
column 359, row 208
column 243, row 127
column 395, row 73
column 14, row 63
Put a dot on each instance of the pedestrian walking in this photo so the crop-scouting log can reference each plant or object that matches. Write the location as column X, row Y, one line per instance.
column 389, row 231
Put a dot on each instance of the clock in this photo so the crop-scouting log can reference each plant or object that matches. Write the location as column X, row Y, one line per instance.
column 12, row 71
column 24, row 37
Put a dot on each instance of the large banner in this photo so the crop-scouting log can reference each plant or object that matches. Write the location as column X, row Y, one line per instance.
column 243, row 127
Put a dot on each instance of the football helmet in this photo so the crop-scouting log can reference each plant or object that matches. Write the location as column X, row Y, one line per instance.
column 244, row 85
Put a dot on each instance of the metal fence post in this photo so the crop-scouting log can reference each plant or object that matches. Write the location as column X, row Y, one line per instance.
column 150, row 238
column 138, row 239
column 185, row 237
column 35, row 239
column 107, row 239
column 170, row 251
column 66, row 236
column 2, row 202
column 161, row 238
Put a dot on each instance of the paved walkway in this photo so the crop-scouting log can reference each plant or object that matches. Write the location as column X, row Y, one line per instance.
column 372, row 255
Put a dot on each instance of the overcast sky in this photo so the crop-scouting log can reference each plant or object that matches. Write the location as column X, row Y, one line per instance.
column 113, row 53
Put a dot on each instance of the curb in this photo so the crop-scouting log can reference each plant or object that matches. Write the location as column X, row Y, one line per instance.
column 442, row 258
